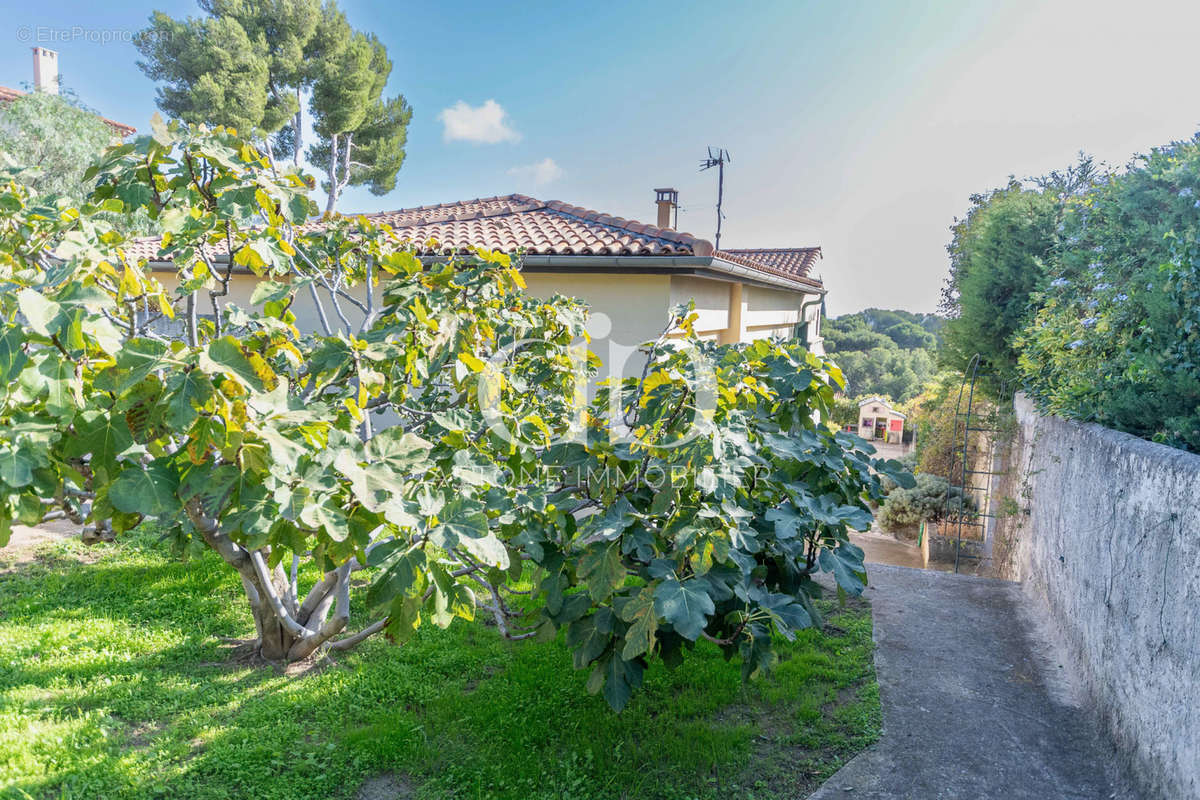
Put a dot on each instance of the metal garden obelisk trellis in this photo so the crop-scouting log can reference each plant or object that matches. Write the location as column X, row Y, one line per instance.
column 971, row 422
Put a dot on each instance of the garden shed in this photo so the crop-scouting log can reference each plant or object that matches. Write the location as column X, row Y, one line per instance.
column 877, row 420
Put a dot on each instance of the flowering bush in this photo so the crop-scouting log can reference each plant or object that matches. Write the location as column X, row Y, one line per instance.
column 1116, row 335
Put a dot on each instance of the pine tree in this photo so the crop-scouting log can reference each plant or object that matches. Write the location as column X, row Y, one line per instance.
column 249, row 64
column 362, row 136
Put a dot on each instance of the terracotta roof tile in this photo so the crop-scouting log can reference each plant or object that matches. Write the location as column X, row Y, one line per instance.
column 792, row 260
column 518, row 222
column 539, row 228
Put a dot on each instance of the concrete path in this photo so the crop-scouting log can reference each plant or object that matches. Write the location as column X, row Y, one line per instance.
column 883, row 548
column 25, row 541
column 975, row 704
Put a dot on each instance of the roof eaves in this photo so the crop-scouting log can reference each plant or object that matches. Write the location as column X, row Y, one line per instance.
column 749, row 263
column 765, row 274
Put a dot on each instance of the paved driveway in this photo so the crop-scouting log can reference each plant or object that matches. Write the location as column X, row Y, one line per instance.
column 974, row 703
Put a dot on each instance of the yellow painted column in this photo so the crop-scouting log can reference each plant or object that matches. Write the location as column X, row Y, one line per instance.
column 734, row 330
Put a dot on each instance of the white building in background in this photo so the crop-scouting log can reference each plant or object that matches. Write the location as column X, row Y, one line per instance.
column 878, row 421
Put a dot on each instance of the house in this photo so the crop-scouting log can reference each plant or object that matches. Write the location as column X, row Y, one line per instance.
column 879, row 421
column 631, row 272
column 45, row 79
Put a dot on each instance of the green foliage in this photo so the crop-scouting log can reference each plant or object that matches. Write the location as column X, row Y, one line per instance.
column 362, row 136
column 211, row 70
column 845, row 411
column 1085, row 287
column 998, row 258
column 910, row 336
column 933, row 418
column 885, row 320
column 886, row 371
column 1116, row 339
column 852, row 332
column 248, row 65
column 695, row 501
column 885, row 353
column 929, row 501
column 56, row 139
column 115, row 691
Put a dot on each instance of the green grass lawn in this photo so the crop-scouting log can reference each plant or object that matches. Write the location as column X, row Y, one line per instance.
column 114, row 683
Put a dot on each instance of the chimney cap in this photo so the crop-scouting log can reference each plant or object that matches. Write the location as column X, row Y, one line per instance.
column 45, row 70
column 667, row 200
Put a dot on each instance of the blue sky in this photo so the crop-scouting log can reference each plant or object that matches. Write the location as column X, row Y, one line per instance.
column 859, row 126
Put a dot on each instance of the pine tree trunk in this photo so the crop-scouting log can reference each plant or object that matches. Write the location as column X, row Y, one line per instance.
column 331, row 201
column 297, row 123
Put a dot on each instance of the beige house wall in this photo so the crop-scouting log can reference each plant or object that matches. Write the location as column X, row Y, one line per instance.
column 637, row 306
column 735, row 312
column 241, row 288
column 712, row 302
column 771, row 312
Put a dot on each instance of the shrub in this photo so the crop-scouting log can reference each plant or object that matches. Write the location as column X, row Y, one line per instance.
column 909, row 462
column 1117, row 338
column 56, row 137
column 997, row 257
column 932, row 418
column 925, row 502
column 845, row 411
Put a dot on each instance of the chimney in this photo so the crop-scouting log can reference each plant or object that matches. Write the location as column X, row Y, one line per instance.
column 45, row 70
column 667, row 199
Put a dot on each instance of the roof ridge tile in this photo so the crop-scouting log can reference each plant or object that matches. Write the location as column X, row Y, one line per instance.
column 804, row 249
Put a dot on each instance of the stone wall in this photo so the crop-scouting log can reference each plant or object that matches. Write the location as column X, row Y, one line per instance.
column 1108, row 542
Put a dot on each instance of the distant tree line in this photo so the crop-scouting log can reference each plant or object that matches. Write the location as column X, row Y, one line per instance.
column 886, row 353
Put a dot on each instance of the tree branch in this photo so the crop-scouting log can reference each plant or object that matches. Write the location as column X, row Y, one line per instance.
column 315, row 595
column 335, row 625
column 351, row 641
column 234, row 554
column 267, row 587
column 369, row 311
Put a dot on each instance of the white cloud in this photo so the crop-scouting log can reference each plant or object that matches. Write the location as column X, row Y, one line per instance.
column 539, row 173
column 485, row 124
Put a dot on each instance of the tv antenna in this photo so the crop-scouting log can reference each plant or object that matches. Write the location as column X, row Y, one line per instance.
column 717, row 157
